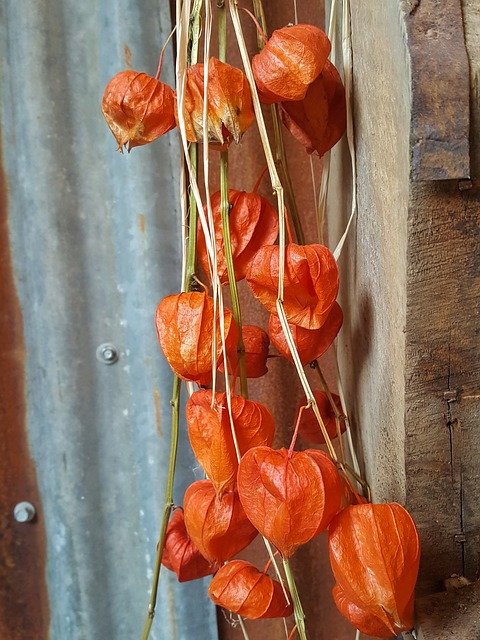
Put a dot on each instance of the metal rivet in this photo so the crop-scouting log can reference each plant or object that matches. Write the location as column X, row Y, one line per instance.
column 24, row 512
column 107, row 353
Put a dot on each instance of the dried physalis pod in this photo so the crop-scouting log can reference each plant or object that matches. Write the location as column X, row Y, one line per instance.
column 229, row 103
column 256, row 343
column 374, row 553
column 252, row 222
column 185, row 324
column 290, row 497
column 138, row 108
column 241, row 588
column 310, row 282
column 290, row 61
column 217, row 524
column 308, row 425
column 362, row 620
column 320, row 119
column 310, row 343
column 210, row 433
column 181, row 555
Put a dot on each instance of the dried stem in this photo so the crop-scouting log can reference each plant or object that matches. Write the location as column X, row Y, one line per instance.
column 297, row 605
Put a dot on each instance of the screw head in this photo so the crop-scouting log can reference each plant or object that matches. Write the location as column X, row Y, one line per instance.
column 24, row 512
column 107, row 353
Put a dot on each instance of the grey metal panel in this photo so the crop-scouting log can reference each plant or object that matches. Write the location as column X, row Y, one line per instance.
column 96, row 244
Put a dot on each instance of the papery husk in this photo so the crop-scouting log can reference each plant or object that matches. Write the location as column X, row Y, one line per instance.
column 256, row 343
column 210, row 433
column 362, row 620
column 288, row 499
column 310, row 282
column 374, row 553
column 180, row 553
column 138, row 108
column 311, row 343
column 290, row 61
column 308, row 427
column 184, row 324
column 320, row 119
column 243, row 589
column 253, row 222
column 229, row 103
column 217, row 524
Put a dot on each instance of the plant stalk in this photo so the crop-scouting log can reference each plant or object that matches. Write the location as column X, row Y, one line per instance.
column 297, row 605
column 167, row 507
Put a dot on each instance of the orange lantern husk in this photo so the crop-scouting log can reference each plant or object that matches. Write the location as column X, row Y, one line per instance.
column 241, row 588
column 374, row 553
column 320, row 119
column 253, row 222
column 217, row 524
column 290, row 61
column 290, row 497
column 310, row 282
column 185, row 324
column 308, row 426
column 138, row 108
column 181, row 555
column 311, row 343
column 210, row 433
column 229, row 104
column 256, row 343
column 362, row 620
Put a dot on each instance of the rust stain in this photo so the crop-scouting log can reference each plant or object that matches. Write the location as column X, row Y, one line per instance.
column 24, row 611
column 141, row 222
column 158, row 411
column 127, row 55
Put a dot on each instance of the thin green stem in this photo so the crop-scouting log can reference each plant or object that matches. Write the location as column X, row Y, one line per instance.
column 191, row 265
column 297, row 605
column 167, row 507
column 222, row 30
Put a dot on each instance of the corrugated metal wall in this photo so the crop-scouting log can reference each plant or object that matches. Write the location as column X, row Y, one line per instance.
column 94, row 240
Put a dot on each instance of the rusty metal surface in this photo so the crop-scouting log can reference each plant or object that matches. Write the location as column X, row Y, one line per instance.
column 23, row 594
column 95, row 244
column 440, row 89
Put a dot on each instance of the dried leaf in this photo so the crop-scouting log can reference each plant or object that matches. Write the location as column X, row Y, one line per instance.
column 361, row 620
column 242, row 588
column 289, row 499
column 229, row 103
column 256, row 343
column 310, row 282
column 180, row 553
column 374, row 554
column 311, row 343
column 185, row 331
column 320, row 119
column 217, row 524
column 211, row 438
column 290, row 61
column 253, row 222
column 138, row 108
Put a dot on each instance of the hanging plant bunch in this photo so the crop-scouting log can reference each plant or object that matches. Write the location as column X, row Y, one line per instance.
column 252, row 488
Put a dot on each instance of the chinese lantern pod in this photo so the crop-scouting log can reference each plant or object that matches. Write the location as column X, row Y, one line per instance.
column 309, row 428
column 290, row 61
column 311, row 343
column 362, row 620
column 320, row 119
column 256, row 343
column 310, row 283
column 210, row 433
column 289, row 499
column 181, row 555
column 374, row 553
column 217, row 525
column 241, row 588
column 229, row 103
column 253, row 222
column 138, row 108
column 184, row 324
